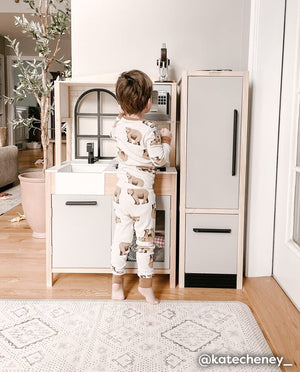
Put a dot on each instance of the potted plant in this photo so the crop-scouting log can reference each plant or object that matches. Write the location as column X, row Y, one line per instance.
column 51, row 20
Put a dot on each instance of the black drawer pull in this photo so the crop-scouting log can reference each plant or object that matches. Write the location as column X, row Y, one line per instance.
column 81, row 202
column 202, row 230
column 234, row 140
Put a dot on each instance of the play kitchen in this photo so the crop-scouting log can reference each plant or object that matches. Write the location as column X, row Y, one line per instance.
column 213, row 145
column 79, row 214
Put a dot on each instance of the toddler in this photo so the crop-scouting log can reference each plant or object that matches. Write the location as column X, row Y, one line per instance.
column 140, row 149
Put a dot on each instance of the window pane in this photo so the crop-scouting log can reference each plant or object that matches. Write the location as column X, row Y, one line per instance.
column 108, row 104
column 81, row 146
column 108, row 148
column 88, row 103
column 296, row 227
column 106, row 124
column 87, row 126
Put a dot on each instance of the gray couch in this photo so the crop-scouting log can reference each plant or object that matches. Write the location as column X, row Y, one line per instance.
column 8, row 165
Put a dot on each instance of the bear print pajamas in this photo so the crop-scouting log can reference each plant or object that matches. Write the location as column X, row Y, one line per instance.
column 140, row 149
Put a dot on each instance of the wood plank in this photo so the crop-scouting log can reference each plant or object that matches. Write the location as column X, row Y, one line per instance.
column 277, row 316
column 173, row 230
column 212, row 211
column 162, row 184
column 26, row 158
column 57, row 101
column 242, row 180
column 173, row 124
column 49, row 190
column 69, row 135
column 217, row 73
column 183, row 124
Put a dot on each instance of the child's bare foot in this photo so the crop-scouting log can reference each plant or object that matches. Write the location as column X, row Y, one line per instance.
column 117, row 292
column 149, row 295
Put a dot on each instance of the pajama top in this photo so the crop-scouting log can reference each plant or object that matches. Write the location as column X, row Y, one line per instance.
column 140, row 149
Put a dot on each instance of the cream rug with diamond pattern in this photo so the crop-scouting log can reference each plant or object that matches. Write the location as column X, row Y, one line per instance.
column 105, row 335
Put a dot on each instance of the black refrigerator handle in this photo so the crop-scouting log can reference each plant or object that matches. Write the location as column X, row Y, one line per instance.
column 81, row 202
column 234, row 142
column 213, row 230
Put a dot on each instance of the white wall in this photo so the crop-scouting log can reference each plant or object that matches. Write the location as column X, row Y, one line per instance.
column 117, row 35
column 265, row 64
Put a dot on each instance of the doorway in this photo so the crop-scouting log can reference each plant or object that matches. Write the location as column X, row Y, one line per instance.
column 286, row 260
column 26, row 108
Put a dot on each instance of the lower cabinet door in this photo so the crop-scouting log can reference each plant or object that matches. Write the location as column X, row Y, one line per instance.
column 211, row 243
column 81, row 231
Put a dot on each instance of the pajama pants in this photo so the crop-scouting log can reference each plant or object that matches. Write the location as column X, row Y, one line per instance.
column 135, row 210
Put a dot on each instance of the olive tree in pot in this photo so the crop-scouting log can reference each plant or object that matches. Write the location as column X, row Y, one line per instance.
column 51, row 20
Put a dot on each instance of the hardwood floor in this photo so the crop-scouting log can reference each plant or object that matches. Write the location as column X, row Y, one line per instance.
column 26, row 158
column 22, row 275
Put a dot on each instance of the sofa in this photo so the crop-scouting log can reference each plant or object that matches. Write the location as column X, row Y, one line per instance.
column 8, row 165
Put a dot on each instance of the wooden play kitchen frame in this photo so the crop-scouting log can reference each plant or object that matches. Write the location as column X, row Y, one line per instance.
column 210, row 253
column 66, row 94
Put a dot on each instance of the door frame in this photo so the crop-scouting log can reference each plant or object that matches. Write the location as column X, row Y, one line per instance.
column 286, row 161
column 292, row 177
column 10, row 108
column 265, row 69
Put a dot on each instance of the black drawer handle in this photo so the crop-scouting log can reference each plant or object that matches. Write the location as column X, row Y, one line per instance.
column 81, row 202
column 234, row 140
column 202, row 230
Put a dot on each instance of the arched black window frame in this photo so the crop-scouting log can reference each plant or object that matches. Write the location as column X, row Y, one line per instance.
column 99, row 115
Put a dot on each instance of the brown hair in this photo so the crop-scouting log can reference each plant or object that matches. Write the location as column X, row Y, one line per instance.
column 133, row 90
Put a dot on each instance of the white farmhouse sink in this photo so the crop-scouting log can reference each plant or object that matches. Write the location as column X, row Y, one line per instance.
column 83, row 179
column 84, row 168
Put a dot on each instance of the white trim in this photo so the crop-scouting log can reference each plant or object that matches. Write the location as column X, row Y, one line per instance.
column 286, row 254
column 293, row 247
column 293, row 169
column 286, row 292
column 253, row 36
column 10, row 109
column 265, row 65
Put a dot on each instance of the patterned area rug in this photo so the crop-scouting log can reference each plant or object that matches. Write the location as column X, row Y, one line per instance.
column 10, row 201
column 104, row 335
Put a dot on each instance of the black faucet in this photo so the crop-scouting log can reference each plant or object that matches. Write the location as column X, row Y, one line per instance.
column 90, row 149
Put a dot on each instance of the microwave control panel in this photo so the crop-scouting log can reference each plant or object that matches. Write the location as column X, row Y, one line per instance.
column 161, row 103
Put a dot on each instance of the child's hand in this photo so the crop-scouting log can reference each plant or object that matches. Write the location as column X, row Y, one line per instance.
column 164, row 132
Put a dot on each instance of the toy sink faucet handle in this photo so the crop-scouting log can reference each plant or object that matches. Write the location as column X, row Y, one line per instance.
column 163, row 64
column 90, row 150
